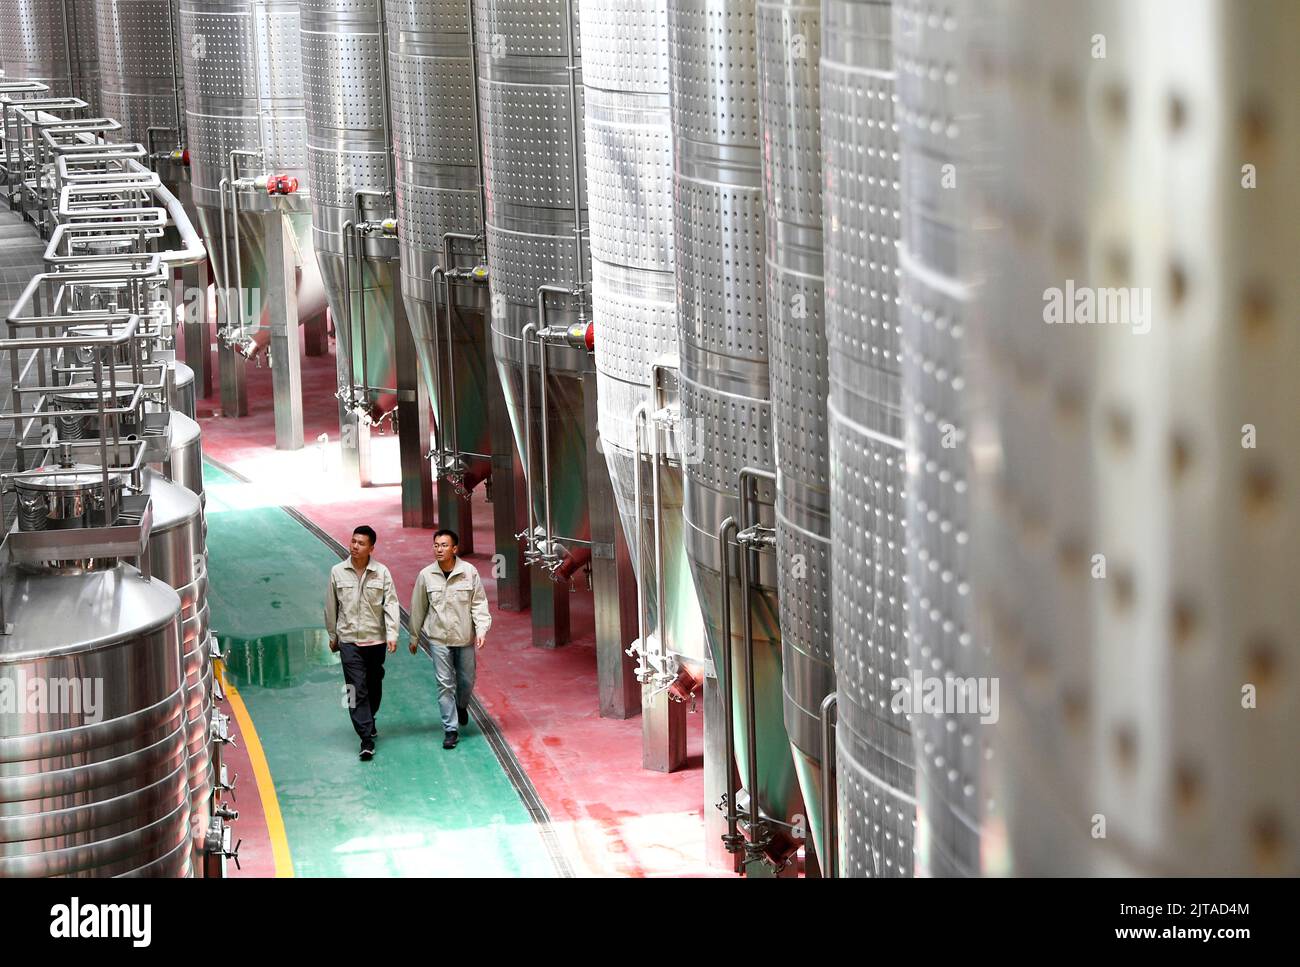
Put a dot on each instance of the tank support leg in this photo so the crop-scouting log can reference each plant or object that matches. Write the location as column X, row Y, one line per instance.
column 234, row 393
column 413, row 419
column 613, row 580
column 509, row 513
column 663, row 733
column 194, row 305
column 286, row 355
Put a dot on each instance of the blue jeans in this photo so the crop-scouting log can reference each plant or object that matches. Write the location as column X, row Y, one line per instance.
column 454, row 668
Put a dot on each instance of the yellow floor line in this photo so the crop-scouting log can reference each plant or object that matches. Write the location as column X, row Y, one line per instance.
column 262, row 773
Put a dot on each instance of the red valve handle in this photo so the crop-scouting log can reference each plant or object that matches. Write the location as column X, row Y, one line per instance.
column 281, row 185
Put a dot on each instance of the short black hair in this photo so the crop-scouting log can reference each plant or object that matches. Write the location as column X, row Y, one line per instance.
column 365, row 530
column 455, row 538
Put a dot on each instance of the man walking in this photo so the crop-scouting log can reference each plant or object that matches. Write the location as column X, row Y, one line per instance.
column 361, row 617
column 450, row 609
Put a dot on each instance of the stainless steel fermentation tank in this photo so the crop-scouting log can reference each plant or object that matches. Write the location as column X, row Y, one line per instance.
column 530, row 95
column 1137, row 539
column 349, row 154
column 630, row 204
column 789, row 52
column 869, row 590
column 726, row 412
column 178, row 557
column 54, row 42
column 248, row 165
column 935, row 285
column 439, row 202
column 100, row 785
column 140, row 70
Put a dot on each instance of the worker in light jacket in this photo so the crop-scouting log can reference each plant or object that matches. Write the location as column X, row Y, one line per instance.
column 362, row 620
column 450, row 611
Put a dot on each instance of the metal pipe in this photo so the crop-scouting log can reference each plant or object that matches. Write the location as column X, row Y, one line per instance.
column 257, row 66
column 639, row 421
column 478, row 122
column 747, row 478
column 544, row 418
column 349, row 232
column 390, row 164
column 657, row 515
column 573, row 150
column 732, row 839
column 830, row 790
column 358, row 256
column 67, row 49
column 751, row 725
column 528, row 437
column 173, row 42
column 358, row 242
column 447, row 239
column 234, row 221
column 543, row 330
column 439, row 272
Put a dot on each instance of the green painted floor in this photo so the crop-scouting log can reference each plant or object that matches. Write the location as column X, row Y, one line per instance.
column 416, row 810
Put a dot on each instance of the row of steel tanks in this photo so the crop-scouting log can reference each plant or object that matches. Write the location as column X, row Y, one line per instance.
column 1133, row 487
column 106, row 481
column 1020, row 509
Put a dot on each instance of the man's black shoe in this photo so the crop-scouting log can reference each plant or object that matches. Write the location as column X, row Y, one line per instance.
column 449, row 739
column 367, row 751
column 462, row 714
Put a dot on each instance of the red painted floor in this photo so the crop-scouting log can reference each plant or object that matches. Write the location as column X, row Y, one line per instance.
column 613, row 817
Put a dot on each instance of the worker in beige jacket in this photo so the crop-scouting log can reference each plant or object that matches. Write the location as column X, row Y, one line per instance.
column 362, row 620
column 449, row 609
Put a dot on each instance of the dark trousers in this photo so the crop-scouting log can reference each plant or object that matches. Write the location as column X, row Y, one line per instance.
column 363, row 674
